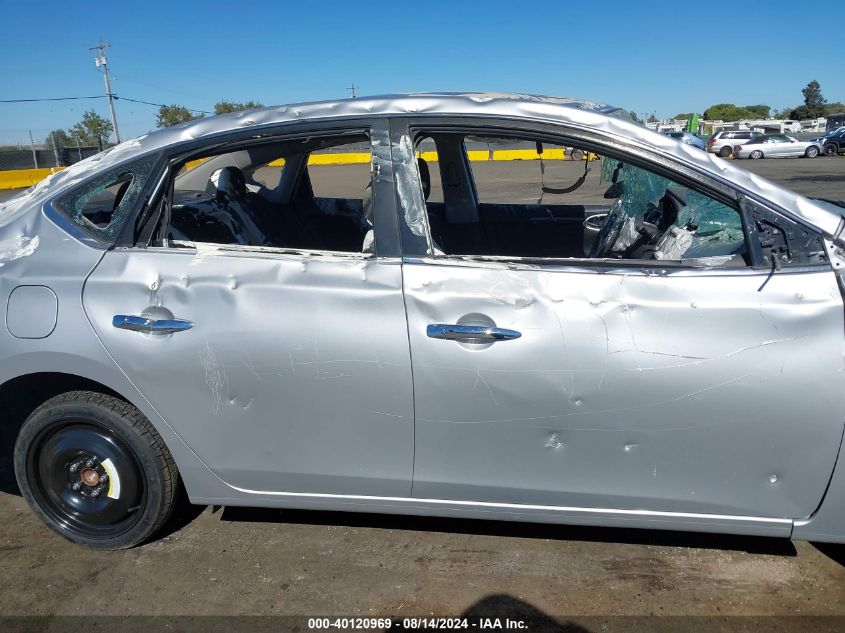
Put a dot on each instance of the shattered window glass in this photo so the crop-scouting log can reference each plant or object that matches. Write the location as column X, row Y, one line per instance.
column 101, row 206
column 700, row 225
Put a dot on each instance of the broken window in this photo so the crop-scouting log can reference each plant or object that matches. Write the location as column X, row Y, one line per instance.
column 528, row 198
column 311, row 193
column 101, row 205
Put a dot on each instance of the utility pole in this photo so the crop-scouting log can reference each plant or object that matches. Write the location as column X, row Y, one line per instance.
column 353, row 90
column 56, row 153
column 102, row 60
column 32, row 145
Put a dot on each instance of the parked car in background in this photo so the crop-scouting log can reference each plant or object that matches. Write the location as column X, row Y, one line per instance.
column 687, row 137
column 649, row 340
column 832, row 143
column 723, row 141
column 776, row 146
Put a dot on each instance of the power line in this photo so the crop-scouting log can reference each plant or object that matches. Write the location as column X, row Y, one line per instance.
column 158, row 105
column 51, row 99
column 115, row 96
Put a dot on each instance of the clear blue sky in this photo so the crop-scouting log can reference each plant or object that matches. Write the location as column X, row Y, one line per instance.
column 645, row 57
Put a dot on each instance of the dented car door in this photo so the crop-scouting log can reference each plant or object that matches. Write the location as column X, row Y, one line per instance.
column 617, row 385
column 283, row 371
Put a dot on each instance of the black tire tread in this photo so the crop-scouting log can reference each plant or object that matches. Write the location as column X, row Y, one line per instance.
column 150, row 437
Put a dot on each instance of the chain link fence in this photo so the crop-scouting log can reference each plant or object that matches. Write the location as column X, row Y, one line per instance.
column 12, row 158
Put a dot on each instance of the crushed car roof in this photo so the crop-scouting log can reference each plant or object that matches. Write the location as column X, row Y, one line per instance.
column 575, row 112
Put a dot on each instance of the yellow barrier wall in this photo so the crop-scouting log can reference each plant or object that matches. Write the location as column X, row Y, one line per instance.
column 24, row 178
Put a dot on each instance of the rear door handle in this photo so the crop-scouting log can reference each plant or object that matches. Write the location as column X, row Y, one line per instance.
column 149, row 325
column 471, row 333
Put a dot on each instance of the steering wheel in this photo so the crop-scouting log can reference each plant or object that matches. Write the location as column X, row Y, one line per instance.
column 595, row 222
column 607, row 233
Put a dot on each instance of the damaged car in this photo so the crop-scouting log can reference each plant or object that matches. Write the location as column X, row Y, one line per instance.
column 468, row 305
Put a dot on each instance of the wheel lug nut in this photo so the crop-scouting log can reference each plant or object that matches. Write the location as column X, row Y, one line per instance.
column 76, row 486
column 74, row 468
column 104, row 478
column 95, row 493
column 89, row 464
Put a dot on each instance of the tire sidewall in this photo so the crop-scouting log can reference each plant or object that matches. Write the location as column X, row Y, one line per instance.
column 58, row 413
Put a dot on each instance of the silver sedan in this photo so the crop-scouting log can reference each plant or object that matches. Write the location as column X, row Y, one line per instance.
column 776, row 146
column 424, row 304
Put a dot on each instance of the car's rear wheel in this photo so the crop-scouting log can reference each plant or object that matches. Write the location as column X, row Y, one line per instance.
column 94, row 469
column 756, row 154
column 725, row 151
column 830, row 150
column 811, row 152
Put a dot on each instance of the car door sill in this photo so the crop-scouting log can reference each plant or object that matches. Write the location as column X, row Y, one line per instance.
column 648, row 519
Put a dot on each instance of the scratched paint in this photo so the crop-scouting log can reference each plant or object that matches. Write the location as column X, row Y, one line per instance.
column 628, row 370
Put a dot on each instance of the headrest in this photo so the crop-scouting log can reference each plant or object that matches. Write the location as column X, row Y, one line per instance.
column 425, row 176
column 229, row 183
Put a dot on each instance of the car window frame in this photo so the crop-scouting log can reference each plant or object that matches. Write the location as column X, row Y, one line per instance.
column 93, row 238
column 484, row 128
column 375, row 128
column 606, row 144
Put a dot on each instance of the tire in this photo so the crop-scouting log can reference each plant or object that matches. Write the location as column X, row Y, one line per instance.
column 756, row 154
column 811, row 152
column 725, row 151
column 94, row 469
column 830, row 150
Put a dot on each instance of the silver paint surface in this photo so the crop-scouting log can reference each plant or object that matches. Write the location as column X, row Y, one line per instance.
column 32, row 312
column 684, row 400
column 287, row 380
column 674, row 392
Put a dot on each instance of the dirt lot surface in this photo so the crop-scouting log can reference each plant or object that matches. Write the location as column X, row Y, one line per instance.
column 213, row 561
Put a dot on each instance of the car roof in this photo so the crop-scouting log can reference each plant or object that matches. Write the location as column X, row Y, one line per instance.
column 576, row 112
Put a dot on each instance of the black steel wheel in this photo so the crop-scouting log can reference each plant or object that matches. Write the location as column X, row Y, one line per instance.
column 94, row 470
column 725, row 151
column 830, row 150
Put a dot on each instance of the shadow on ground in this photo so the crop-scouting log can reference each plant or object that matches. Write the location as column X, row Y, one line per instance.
column 752, row 545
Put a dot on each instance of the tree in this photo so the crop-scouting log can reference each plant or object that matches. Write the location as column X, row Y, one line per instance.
column 759, row 111
column 682, row 116
column 61, row 137
column 814, row 102
column 727, row 112
column 634, row 116
column 174, row 115
column 222, row 107
column 833, row 108
column 92, row 130
column 652, row 118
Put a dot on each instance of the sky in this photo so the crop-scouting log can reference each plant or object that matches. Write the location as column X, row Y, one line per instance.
column 645, row 57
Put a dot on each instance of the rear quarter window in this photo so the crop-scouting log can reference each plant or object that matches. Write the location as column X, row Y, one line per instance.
column 101, row 205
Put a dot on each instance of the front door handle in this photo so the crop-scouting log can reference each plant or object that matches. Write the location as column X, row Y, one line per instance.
column 470, row 333
column 149, row 325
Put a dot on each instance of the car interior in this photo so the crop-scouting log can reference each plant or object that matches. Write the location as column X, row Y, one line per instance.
column 542, row 201
column 264, row 196
column 607, row 209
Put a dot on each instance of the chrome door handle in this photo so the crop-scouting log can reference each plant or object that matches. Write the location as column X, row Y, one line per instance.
column 480, row 333
column 149, row 325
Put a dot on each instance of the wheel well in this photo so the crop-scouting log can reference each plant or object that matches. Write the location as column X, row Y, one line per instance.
column 21, row 396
